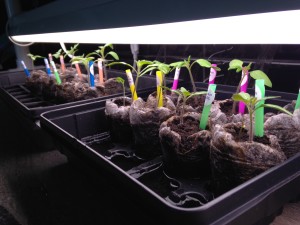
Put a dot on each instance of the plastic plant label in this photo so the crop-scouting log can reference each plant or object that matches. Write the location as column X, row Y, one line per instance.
column 212, row 75
column 50, row 60
column 176, row 78
column 298, row 101
column 78, row 70
column 48, row 70
column 62, row 64
column 100, row 69
column 159, row 93
column 25, row 69
column 92, row 76
column 210, row 96
column 131, row 84
column 244, row 85
column 259, row 113
column 58, row 80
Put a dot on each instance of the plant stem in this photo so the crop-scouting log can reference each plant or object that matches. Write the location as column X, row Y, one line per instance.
column 182, row 110
column 192, row 79
column 251, row 123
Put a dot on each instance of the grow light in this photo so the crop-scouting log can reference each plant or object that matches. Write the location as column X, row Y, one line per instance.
column 262, row 28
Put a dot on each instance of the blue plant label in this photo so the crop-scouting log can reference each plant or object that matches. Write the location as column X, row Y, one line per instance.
column 92, row 76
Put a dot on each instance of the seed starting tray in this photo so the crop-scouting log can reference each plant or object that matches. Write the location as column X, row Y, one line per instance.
column 82, row 133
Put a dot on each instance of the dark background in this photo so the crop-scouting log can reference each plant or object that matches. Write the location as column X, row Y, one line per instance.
column 280, row 62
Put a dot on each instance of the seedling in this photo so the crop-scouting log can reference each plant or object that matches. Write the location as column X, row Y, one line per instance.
column 252, row 105
column 57, row 54
column 237, row 65
column 122, row 81
column 103, row 54
column 33, row 58
column 84, row 60
column 187, row 64
column 184, row 95
column 143, row 67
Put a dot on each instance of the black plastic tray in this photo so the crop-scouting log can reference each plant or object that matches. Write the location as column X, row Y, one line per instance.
column 11, row 78
column 15, row 93
column 82, row 135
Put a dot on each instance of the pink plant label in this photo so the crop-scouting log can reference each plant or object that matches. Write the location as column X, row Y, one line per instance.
column 244, row 86
column 176, row 78
column 213, row 74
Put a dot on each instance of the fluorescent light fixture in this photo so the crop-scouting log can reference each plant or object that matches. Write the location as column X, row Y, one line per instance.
column 263, row 28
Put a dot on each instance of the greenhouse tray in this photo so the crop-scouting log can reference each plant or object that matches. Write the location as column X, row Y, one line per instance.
column 14, row 91
column 82, row 135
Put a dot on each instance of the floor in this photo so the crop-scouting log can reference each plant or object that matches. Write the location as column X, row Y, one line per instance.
column 42, row 188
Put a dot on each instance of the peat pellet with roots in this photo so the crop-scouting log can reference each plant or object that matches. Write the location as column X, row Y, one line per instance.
column 117, row 114
column 145, row 119
column 287, row 129
column 234, row 159
column 185, row 147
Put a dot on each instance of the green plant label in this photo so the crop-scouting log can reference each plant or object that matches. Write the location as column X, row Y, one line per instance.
column 210, row 96
column 259, row 113
column 298, row 101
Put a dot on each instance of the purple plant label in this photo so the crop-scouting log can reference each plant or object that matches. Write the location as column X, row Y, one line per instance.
column 212, row 75
column 244, row 83
column 176, row 77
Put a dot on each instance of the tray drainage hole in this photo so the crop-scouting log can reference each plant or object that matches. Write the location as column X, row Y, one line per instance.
column 187, row 200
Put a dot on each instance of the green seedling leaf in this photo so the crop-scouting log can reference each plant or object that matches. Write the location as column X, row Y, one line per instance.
column 248, row 67
column 265, row 98
column 204, row 63
column 197, row 93
column 279, row 108
column 236, row 64
column 119, row 63
column 216, row 68
column 185, row 92
column 34, row 57
column 120, row 80
column 243, row 97
column 108, row 45
column 164, row 68
column 113, row 54
column 146, row 70
column 258, row 74
column 177, row 64
column 57, row 54
column 141, row 63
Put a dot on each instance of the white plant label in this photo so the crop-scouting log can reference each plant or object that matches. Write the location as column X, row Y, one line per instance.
column 258, row 93
column 245, row 79
column 92, row 69
column 210, row 97
column 129, row 77
column 177, row 72
column 53, row 65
